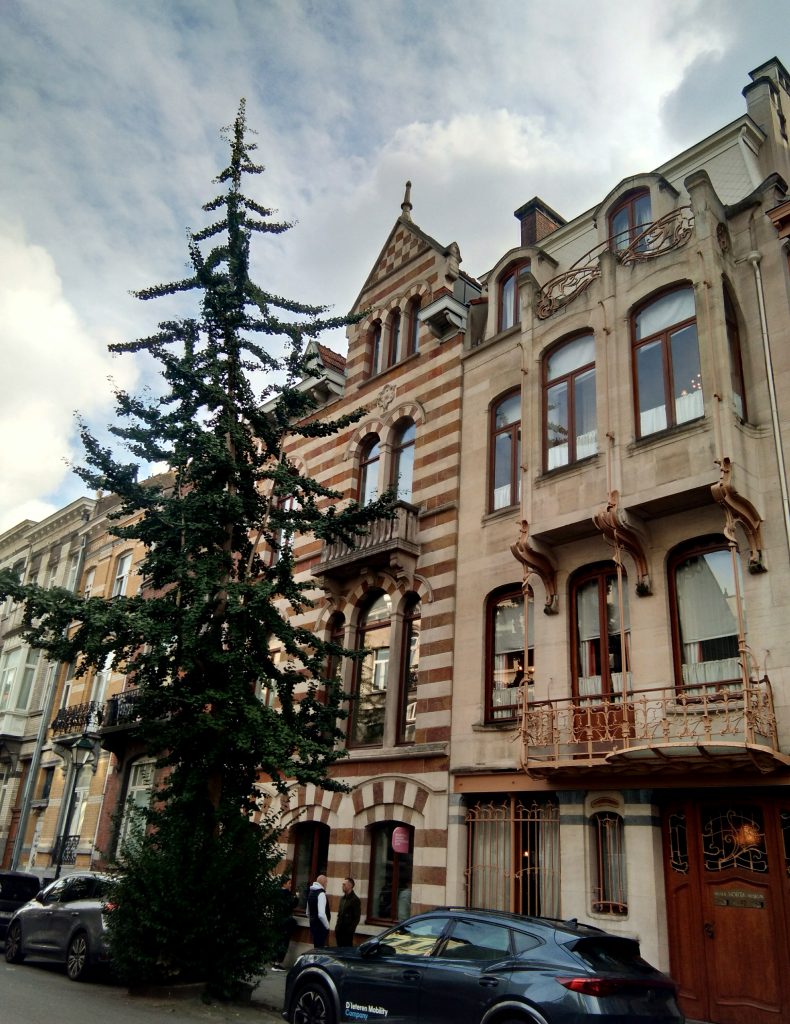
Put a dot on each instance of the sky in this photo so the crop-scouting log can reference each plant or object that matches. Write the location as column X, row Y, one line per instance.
column 110, row 137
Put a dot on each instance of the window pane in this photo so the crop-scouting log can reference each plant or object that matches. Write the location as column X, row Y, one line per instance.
column 508, row 411
column 373, row 675
column 507, row 670
column 416, row 939
column 473, row 940
column 557, row 425
column 507, row 303
column 708, row 618
column 650, row 384
column 411, row 646
column 664, row 312
column 642, row 213
column 584, row 414
column 404, row 464
column 687, row 378
column 503, row 471
column 391, row 872
column 571, row 356
column 394, row 352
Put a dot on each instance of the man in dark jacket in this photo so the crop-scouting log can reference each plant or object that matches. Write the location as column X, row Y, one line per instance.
column 284, row 921
column 348, row 913
column 318, row 912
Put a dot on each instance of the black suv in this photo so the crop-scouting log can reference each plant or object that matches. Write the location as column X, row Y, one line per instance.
column 456, row 965
column 16, row 888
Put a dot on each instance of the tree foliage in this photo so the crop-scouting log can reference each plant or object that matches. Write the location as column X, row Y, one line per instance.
column 197, row 640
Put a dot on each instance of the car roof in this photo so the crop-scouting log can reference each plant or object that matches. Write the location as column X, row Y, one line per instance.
column 571, row 925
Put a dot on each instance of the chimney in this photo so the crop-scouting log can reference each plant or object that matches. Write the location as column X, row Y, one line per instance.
column 537, row 220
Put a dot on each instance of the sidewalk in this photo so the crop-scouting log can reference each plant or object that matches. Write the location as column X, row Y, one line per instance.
column 269, row 993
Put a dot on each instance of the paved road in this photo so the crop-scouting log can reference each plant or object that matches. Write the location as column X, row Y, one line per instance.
column 41, row 993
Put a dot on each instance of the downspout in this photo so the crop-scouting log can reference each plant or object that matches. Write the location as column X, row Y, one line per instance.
column 754, row 258
column 43, row 728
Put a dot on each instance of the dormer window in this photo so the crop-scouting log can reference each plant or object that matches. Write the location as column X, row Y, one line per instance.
column 508, row 296
column 629, row 218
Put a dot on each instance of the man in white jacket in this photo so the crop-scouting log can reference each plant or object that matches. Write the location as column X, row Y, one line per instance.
column 318, row 912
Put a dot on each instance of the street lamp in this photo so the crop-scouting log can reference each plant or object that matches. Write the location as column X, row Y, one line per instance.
column 82, row 752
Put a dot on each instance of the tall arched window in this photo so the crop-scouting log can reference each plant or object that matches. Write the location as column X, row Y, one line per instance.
column 736, row 360
column 372, row 673
column 410, row 663
column 311, row 857
column 506, row 667
column 369, row 470
column 629, row 218
column 703, row 592
column 508, row 311
column 668, row 379
column 504, row 475
column 602, row 634
column 394, row 341
column 403, row 460
column 391, row 867
column 414, row 327
column 610, row 895
column 569, row 402
column 376, row 344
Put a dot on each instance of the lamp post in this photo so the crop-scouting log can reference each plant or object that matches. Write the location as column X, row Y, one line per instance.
column 82, row 753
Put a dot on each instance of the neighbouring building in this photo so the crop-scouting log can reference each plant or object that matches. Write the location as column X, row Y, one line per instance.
column 621, row 684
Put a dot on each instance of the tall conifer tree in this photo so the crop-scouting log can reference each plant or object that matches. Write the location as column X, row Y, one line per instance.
column 198, row 888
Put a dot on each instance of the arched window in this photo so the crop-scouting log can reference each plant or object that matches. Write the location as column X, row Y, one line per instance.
column 410, row 660
column 668, row 379
column 601, row 635
column 376, row 344
column 403, row 460
column 506, row 667
column 311, row 856
column 369, row 470
column 610, row 895
column 413, row 345
column 569, row 402
column 508, row 312
column 391, row 866
column 336, row 635
column 629, row 218
column 372, row 673
column 703, row 589
column 505, row 452
column 394, row 341
column 736, row 361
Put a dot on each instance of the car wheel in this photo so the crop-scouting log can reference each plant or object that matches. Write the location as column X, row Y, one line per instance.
column 313, row 1006
column 13, row 944
column 77, row 963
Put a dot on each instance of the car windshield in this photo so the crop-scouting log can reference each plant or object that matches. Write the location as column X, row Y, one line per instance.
column 604, row 953
column 14, row 888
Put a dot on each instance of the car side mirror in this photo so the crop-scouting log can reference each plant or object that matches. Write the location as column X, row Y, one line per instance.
column 39, row 897
column 369, row 948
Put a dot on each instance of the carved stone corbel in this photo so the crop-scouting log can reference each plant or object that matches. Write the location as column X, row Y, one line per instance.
column 539, row 563
column 613, row 522
column 739, row 511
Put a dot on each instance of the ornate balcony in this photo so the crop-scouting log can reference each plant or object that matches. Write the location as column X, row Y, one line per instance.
column 388, row 543
column 78, row 718
column 703, row 728
column 121, row 714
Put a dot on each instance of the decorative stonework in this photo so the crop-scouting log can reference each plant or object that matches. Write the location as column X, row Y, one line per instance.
column 386, row 397
column 535, row 561
column 619, row 531
column 739, row 511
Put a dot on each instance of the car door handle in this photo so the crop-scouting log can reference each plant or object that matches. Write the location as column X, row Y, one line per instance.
column 487, row 981
column 411, row 975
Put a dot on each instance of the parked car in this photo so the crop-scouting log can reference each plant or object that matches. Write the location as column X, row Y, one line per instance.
column 16, row 888
column 64, row 922
column 478, row 966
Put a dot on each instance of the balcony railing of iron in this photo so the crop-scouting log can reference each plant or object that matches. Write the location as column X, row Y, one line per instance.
column 731, row 714
column 65, row 850
column 85, row 717
column 661, row 236
column 123, row 709
column 381, row 535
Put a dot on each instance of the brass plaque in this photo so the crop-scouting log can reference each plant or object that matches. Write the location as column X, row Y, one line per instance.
column 739, row 898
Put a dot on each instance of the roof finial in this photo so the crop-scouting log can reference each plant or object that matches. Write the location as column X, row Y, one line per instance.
column 406, row 204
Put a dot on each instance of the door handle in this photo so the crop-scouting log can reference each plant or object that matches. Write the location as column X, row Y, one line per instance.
column 708, row 929
column 488, row 982
column 411, row 975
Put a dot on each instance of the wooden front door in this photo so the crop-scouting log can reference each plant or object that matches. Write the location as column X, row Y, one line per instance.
column 727, row 869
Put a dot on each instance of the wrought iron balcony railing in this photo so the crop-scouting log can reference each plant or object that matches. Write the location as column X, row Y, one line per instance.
column 387, row 541
column 65, row 849
column 123, row 709
column 708, row 726
column 75, row 718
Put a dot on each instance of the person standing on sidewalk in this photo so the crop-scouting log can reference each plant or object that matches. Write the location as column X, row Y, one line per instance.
column 348, row 914
column 285, row 921
column 318, row 912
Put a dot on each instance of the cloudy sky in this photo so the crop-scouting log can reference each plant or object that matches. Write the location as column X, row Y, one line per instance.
column 109, row 133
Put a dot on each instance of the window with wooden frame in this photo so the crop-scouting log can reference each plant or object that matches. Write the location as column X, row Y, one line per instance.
column 610, row 895
column 507, row 670
column 666, row 364
column 371, row 675
column 403, row 460
column 391, row 867
column 410, row 664
column 736, row 360
column 507, row 306
column 413, row 342
column 704, row 584
column 629, row 218
column 376, row 348
column 570, row 422
column 311, row 856
column 601, row 635
column 369, row 460
column 505, row 452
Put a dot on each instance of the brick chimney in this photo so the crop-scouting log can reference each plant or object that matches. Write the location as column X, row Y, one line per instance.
column 537, row 220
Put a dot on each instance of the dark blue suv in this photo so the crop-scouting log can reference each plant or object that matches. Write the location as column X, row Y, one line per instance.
column 455, row 965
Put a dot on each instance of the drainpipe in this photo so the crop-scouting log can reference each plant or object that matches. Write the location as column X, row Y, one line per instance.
column 754, row 258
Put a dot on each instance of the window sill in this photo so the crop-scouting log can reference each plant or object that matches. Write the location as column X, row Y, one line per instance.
column 502, row 513
column 382, row 374
column 409, row 751
column 502, row 725
column 568, row 470
column 668, row 435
